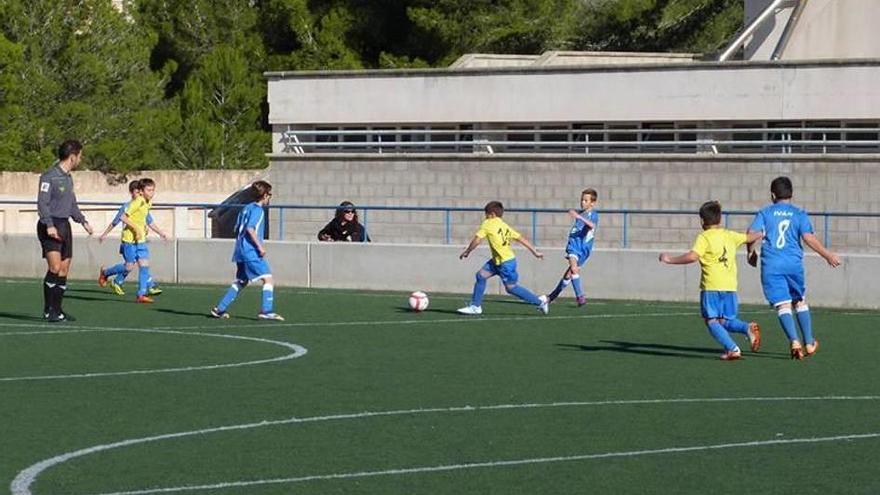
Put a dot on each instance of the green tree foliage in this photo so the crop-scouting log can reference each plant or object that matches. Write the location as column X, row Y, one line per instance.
column 178, row 83
column 697, row 26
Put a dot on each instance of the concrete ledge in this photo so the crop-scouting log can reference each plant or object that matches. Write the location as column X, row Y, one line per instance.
column 609, row 274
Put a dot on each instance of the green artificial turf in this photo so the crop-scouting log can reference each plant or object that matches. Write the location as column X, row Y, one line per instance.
column 615, row 397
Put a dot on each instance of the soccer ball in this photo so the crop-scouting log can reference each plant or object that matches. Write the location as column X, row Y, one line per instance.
column 418, row 301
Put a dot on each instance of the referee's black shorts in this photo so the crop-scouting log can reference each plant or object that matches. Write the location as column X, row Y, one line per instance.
column 64, row 246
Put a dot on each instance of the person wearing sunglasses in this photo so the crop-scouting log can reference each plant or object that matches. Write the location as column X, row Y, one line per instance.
column 345, row 226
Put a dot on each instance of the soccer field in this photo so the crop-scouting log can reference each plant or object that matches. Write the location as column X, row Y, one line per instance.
column 355, row 394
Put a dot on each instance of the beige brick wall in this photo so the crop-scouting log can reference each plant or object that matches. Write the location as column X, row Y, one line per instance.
column 830, row 183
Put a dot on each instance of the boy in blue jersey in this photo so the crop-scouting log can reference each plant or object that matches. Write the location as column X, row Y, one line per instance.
column 503, row 262
column 249, row 255
column 782, row 263
column 579, row 247
column 120, row 271
column 715, row 249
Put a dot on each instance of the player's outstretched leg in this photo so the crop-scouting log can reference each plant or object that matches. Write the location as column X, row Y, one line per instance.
column 718, row 332
column 476, row 305
column 219, row 311
column 542, row 302
column 564, row 282
column 750, row 330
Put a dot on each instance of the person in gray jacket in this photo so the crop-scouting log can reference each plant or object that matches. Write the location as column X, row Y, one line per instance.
column 56, row 205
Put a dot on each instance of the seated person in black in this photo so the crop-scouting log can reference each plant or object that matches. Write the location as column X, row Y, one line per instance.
column 344, row 226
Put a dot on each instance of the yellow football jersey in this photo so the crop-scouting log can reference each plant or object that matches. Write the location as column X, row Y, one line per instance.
column 499, row 235
column 717, row 250
column 137, row 212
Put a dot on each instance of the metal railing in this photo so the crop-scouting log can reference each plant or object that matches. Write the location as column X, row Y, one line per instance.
column 785, row 140
column 626, row 213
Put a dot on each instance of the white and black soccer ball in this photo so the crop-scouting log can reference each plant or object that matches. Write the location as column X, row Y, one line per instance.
column 418, row 301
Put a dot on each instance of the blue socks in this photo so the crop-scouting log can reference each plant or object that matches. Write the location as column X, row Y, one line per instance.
column 268, row 298
column 230, row 296
column 524, row 294
column 736, row 326
column 143, row 280
column 479, row 290
column 721, row 336
column 787, row 322
column 806, row 323
column 576, row 285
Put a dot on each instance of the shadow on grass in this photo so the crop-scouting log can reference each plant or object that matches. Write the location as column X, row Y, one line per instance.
column 667, row 350
column 20, row 316
column 205, row 315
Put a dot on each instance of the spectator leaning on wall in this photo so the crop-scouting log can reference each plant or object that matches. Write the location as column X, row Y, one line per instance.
column 345, row 226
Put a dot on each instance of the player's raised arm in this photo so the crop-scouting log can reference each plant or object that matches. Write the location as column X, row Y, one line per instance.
column 473, row 245
column 815, row 244
column 577, row 216
column 525, row 242
column 683, row 259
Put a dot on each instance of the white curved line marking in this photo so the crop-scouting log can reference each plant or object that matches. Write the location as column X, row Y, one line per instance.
column 24, row 479
column 492, row 464
column 297, row 351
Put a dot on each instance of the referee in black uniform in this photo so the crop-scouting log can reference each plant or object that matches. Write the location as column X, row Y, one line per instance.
column 56, row 204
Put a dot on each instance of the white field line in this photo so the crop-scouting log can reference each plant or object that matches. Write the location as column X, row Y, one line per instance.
column 493, row 464
column 24, row 479
column 297, row 351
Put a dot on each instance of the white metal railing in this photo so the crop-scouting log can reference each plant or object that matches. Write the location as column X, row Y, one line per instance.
column 573, row 139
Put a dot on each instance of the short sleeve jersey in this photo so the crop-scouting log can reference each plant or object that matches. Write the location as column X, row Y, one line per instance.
column 783, row 225
column 118, row 217
column 137, row 210
column 717, row 251
column 250, row 217
column 499, row 235
column 580, row 237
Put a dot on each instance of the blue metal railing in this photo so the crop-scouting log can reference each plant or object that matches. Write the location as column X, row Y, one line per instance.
column 626, row 214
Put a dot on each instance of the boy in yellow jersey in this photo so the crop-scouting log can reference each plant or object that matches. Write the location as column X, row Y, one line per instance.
column 134, row 237
column 715, row 249
column 503, row 262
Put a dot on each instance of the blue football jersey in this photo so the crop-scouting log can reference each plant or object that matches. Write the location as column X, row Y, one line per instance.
column 118, row 217
column 783, row 225
column 250, row 217
column 580, row 237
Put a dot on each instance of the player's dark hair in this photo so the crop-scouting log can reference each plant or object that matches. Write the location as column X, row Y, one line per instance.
column 781, row 188
column 134, row 185
column 710, row 213
column 147, row 182
column 590, row 192
column 494, row 207
column 69, row 147
column 261, row 188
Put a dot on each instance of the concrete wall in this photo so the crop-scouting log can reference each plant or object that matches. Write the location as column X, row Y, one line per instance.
column 610, row 273
column 827, row 29
column 172, row 186
column 748, row 91
column 570, row 58
column 842, row 184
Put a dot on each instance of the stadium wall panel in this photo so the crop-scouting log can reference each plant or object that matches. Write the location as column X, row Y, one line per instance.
column 609, row 274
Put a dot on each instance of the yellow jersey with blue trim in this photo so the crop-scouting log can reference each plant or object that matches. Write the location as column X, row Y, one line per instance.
column 137, row 211
column 716, row 248
column 499, row 235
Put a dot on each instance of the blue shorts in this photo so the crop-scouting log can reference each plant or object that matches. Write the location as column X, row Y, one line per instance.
column 580, row 255
column 252, row 270
column 506, row 270
column 779, row 288
column 718, row 304
column 132, row 252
